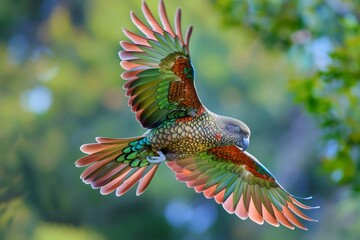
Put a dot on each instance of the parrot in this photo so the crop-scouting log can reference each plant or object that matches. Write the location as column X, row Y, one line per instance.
column 205, row 150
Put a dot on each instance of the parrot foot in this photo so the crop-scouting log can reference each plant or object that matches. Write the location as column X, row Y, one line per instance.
column 156, row 159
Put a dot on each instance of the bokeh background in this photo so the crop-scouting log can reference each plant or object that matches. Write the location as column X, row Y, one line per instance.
column 289, row 69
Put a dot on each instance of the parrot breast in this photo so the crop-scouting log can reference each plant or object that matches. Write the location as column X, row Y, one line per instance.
column 184, row 137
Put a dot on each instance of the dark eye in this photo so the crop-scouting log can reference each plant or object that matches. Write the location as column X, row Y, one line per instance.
column 233, row 128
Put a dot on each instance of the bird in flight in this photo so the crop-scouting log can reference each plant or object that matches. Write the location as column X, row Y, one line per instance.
column 205, row 150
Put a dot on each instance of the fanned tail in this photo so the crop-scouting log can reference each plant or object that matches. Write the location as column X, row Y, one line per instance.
column 117, row 164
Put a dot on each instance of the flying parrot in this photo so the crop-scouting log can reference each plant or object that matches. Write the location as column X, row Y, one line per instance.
column 205, row 150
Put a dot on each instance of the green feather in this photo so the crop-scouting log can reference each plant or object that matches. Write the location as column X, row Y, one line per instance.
column 135, row 163
column 134, row 143
column 179, row 46
column 144, row 62
column 162, row 41
column 132, row 155
column 145, row 56
column 214, row 179
column 211, row 172
column 247, row 195
column 144, row 163
column 200, row 166
column 146, row 81
column 224, row 182
column 144, row 91
column 151, row 52
column 284, row 195
column 144, row 103
column 127, row 150
column 153, row 115
column 139, row 147
column 274, row 200
column 163, row 104
column 238, row 192
column 126, row 161
column 121, row 158
column 158, row 47
column 255, row 193
column 230, row 187
column 164, row 83
column 149, row 73
column 278, row 196
column 265, row 200
column 144, row 153
column 164, row 88
column 170, row 41
column 162, row 95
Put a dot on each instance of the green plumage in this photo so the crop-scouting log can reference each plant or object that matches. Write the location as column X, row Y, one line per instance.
column 135, row 153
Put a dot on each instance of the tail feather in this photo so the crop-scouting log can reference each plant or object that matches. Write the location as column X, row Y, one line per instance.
column 112, row 140
column 90, row 173
column 116, row 182
column 106, row 144
column 96, row 147
column 101, row 178
column 93, row 158
column 117, row 165
column 145, row 181
column 130, row 182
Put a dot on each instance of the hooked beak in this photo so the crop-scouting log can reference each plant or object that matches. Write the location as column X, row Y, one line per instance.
column 244, row 144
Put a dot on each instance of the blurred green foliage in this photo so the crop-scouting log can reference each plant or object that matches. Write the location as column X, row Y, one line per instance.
column 278, row 22
column 60, row 88
column 333, row 97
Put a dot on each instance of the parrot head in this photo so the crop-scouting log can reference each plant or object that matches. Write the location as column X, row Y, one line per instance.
column 236, row 132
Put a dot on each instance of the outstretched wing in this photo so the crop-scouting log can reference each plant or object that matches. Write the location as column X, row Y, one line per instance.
column 239, row 182
column 160, row 78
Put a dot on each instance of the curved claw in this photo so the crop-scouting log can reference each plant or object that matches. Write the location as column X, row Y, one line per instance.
column 156, row 159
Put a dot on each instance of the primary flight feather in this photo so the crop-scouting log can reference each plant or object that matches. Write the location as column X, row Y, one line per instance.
column 204, row 150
